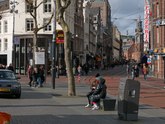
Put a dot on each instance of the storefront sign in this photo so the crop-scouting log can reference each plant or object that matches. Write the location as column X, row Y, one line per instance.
column 59, row 36
column 146, row 24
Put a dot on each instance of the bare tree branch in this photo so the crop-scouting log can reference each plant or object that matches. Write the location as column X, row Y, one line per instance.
column 30, row 3
column 46, row 23
column 61, row 9
column 44, row 1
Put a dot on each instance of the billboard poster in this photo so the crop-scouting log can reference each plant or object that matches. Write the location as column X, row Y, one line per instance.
column 39, row 58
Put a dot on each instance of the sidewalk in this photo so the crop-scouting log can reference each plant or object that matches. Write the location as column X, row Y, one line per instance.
column 71, row 109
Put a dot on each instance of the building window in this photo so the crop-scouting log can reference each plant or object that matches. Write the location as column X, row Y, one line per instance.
column 48, row 27
column 0, row 27
column 5, row 44
column 5, row 26
column 0, row 45
column 47, row 6
column 29, row 24
column 28, row 8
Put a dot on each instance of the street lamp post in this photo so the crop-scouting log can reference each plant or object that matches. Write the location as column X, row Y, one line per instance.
column 13, row 11
column 54, row 48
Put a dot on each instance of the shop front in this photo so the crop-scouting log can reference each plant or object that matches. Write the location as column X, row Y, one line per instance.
column 23, row 52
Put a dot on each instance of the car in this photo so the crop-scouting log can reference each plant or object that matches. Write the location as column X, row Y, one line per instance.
column 9, row 84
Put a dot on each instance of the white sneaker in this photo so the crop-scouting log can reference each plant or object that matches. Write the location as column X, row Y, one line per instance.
column 87, row 106
column 95, row 107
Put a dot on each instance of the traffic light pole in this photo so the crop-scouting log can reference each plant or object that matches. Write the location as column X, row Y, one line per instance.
column 54, row 48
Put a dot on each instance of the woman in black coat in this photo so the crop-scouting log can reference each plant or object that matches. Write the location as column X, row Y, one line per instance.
column 99, row 93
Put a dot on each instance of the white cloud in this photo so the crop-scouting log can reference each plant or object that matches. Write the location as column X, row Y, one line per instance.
column 124, row 13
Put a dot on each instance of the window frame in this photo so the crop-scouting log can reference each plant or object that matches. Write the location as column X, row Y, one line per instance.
column 29, row 24
column 47, row 7
column 5, row 26
column 28, row 9
column 5, row 44
column 48, row 27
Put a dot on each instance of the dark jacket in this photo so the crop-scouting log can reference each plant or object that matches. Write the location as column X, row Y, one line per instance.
column 101, row 89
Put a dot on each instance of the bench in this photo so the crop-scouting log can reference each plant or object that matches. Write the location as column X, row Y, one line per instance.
column 108, row 104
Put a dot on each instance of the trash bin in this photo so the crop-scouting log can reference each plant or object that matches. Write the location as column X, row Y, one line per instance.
column 5, row 118
column 128, row 99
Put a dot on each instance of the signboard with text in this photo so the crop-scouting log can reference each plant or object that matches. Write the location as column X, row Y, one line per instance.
column 59, row 36
column 146, row 24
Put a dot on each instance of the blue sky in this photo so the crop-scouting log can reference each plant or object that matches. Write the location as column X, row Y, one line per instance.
column 124, row 13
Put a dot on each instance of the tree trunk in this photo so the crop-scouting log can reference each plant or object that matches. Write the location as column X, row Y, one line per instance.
column 68, row 61
column 61, row 6
column 34, row 47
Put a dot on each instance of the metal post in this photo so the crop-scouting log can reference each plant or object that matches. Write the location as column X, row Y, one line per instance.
column 13, row 4
column 54, row 48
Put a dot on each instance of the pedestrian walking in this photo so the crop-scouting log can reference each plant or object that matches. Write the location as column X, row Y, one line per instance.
column 132, row 72
column 41, row 76
column 86, row 68
column 79, row 69
column 35, row 77
column 145, row 71
column 74, row 70
column 30, row 75
column 128, row 70
column 135, row 71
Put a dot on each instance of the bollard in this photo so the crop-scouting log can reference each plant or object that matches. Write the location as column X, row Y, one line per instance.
column 5, row 118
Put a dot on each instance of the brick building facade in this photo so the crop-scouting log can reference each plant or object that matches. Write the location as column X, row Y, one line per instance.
column 158, row 36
